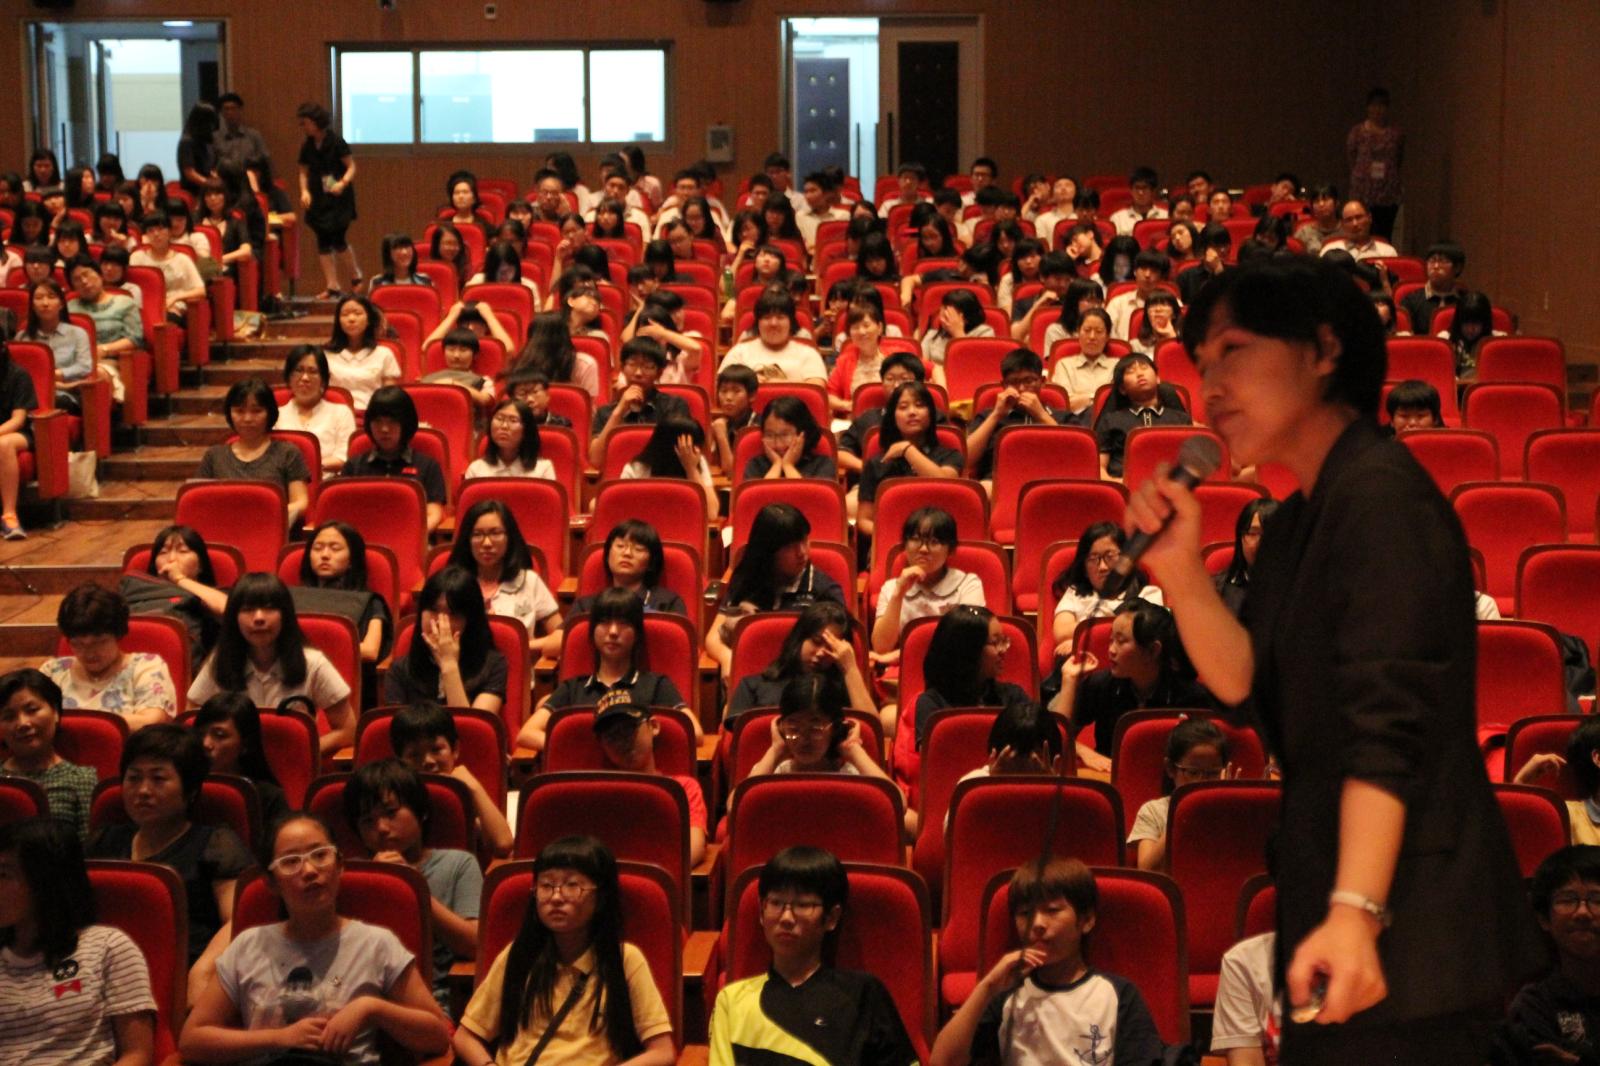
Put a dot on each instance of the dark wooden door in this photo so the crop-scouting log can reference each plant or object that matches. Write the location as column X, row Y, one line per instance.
column 930, row 111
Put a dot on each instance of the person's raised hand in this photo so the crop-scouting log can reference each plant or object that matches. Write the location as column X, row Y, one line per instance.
column 897, row 450
column 442, row 640
column 796, row 448
column 1011, row 969
column 389, row 856
column 688, row 455
column 841, row 651
column 1030, row 402
column 1544, row 763
column 912, row 575
column 632, row 398
column 1074, row 666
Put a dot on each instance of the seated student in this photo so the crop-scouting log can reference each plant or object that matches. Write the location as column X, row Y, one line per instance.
column 1027, row 262
column 1248, row 1019
column 513, row 446
column 773, row 574
column 391, row 424
column 306, row 372
column 356, row 361
column 46, row 323
column 254, row 455
column 114, row 263
column 1384, row 304
column 789, row 439
column 1583, row 756
column 1137, row 399
column 38, row 265
column 423, row 736
column 71, row 991
column 676, row 449
column 640, row 403
column 452, row 659
column 262, row 650
column 1355, row 234
column 802, row 1010
column 399, row 257
column 229, row 725
column 447, row 246
column 1150, row 269
column 1142, row 184
column 489, row 544
column 531, row 388
column 118, row 327
column 1197, row 750
column 661, row 318
column 1557, row 1019
column 959, row 315
column 1163, row 321
column 30, row 713
column 577, row 298
column 315, row 982
column 162, row 769
column 735, row 410
column 460, row 349
column 819, row 642
column 474, row 316
column 1044, row 1002
column 910, row 178
column 1472, row 325
column 183, row 281
column 1056, row 274
column 617, row 642
column 333, row 580
column 540, row 980
column 1024, row 739
column 1413, row 404
column 908, row 446
column 1444, row 262
column 1233, row 584
column 811, row 734
column 627, row 731
column 1057, row 207
column 549, row 350
column 961, row 669
column 926, row 586
column 502, row 265
column 633, row 559
column 1019, row 404
column 387, row 805
column 1082, row 244
column 99, row 675
column 179, row 581
column 774, row 354
column 1215, row 245
column 898, row 369
column 1147, row 671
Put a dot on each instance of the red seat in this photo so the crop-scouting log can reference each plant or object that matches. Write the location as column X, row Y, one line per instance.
column 335, row 636
column 502, row 296
column 21, row 798
column 1220, row 504
column 697, row 400
column 289, row 741
column 872, row 397
column 1500, row 320
column 1542, row 734
column 1140, row 933
column 1216, row 841
column 382, row 571
column 146, row 902
column 576, row 405
column 570, row 742
column 814, row 396
column 227, row 565
column 681, row 572
column 1149, row 445
column 1426, row 359
column 1570, row 460
column 1560, row 585
column 675, row 506
column 821, row 501
column 93, row 738
column 640, row 817
column 972, row 361
column 1501, row 520
column 390, row 512
column 1512, row 413
column 1140, row 744
column 622, row 448
column 541, row 508
column 1520, row 675
column 420, row 300
column 756, row 641
column 1017, row 667
column 225, row 800
column 1073, row 817
column 1047, row 512
column 1174, row 367
column 899, row 497
column 472, row 238
column 1537, row 819
column 161, row 336
column 511, row 641
column 1537, row 359
column 450, row 410
column 1025, row 454
column 1258, row 907
column 481, row 737
column 250, row 515
column 1454, row 456
column 451, row 824
column 671, row 643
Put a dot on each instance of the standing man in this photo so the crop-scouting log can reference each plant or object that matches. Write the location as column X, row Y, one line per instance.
column 234, row 141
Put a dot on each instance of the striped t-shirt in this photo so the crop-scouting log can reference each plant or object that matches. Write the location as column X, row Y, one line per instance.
column 62, row 1014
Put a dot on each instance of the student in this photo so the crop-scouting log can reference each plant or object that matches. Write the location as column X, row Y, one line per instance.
column 661, row 318
column 513, row 446
column 183, row 281
column 531, row 388
column 316, row 981
column 254, row 455
column 960, row 314
column 789, row 439
column 961, row 669
column 43, row 171
column 577, row 296
column 387, row 805
column 1163, row 320
column 423, row 736
column 1183, row 239
column 399, row 258
column 1355, row 234
column 30, row 715
column 229, row 726
column 1413, row 404
column 910, row 179
column 489, row 543
column 908, row 446
column 926, row 586
column 327, row 173
column 475, row 317
column 568, row 986
column 1019, row 404
column 1044, row 1002
column 47, row 324
column 72, row 991
column 1142, row 183
column 1027, row 261
column 736, row 392
column 502, row 265
column 802, row 1009
column 1444, row 262
column 1324, row 223
column 1025, row 738
column 1077, row 589
column 1150, row 270
column 1147, row 671
column 618, row 646
column 773, row 574
column 1197, row 750
column 1057, row 275
column 460, row 351
column 1472, row 325
column 357, row 362
column 391, row 424
column 633, row 558
column 461, row 190
column 179, row 581
column 333, row 580
column 1137, row 399
column 118, row 327
column 676, row 449
column 261, row 650
column 162, row 769
column 810, row 733
column 550, row 351
column 774, row 354
column 1216, row 243
column 1557, row 1019
column 640, row 402
column 1583, row 757
column 307, row 373
column 1248, row 1019
column 818, row 191
column 819, row 642
column 1234, row 583
column 447, row 246
column 452, row 659
column 98, row 674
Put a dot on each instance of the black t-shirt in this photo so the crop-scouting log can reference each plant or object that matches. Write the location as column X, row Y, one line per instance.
column 1102, row 699
column 876, row 470
column 157, row 595
column 1117, row 422
column 1555, row 1011
column 409, row 463
column 658, row 408
column 997, row 694
column 754, row 691
column 845, row 1016
column 17, row 393
column 648, row 689
column 400, row 687
column 327, row 162
column 816, row 465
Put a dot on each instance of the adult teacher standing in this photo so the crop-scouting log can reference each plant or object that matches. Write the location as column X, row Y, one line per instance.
column 1398, row 893
column 328, row 195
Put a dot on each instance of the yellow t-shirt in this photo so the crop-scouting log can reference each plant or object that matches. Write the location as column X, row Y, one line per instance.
column 574, row 1044
column 1583, row 830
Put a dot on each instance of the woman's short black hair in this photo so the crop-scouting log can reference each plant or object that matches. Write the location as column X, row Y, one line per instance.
column 954, row 651
column 775, row 300
column 660, row 452
column 353, row 578
column 1153, row 624
column 172, row 743
column 30, row 680
column 1290, row 299
column 391, row 401
column 806, row 869
column 50, row 859
column 643, row 534
column 367, row 787
column 240, row 392
column 617, row 604
column 91, row 610
column 459, row 590
column 1194, row 732
column 795, row 411
column 517, row 557
column 934, row 522
column 297, row 355
column 424, row 720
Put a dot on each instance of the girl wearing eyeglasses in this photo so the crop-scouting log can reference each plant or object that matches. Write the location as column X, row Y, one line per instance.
column 1099, row 551
column 811, row 734
column 1197, row 750
column 568, row 988
column 315, row 983
column 490, row 544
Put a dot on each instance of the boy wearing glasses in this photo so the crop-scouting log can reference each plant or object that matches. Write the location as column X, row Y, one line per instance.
column 1019, row 404
column 640, row 403
column 803, row 1010
column 1557, row 1020
column 627, row 733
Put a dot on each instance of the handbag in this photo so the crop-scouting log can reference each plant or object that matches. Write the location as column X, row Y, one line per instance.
column 82, row 484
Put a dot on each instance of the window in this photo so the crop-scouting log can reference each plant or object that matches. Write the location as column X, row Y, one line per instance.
column 503, row 95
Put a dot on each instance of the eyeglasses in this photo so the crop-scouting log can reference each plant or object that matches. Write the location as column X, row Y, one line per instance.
column 795, row 732
column 920, row 540
column 319, row 858
column 572, row 889
column 305, row 372
column 1106, row 559
column 777, row 438
column 1199, row 773
column 1568, row 902
column 488, row 534
column 506, row 422
column 801, row 908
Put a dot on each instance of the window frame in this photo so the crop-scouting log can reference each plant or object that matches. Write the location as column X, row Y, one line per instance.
column 337, row 49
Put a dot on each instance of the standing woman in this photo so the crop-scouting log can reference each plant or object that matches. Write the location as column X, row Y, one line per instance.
column 1397, row 887
column 1376, row 148
column 327, row 170
column 197, row 156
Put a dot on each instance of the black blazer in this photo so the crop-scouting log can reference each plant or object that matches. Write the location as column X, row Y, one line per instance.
column 1361, row 618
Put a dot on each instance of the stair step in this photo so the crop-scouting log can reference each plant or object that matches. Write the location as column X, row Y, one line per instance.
column 199, row 400
column 121, row 500
column 57, row 579
column 311, row 327
column 28, row 624
column 173, row 462
column 243, row 369
column 188, row 429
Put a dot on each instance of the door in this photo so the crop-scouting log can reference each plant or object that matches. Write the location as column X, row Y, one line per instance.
column 931, row 88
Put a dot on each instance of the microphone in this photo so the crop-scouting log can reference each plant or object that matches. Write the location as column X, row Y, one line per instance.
column 1197, row 459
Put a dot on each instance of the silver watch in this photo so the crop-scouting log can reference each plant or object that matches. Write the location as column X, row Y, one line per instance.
column 1357, row 900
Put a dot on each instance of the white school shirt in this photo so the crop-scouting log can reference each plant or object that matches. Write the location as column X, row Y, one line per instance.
column 542, row 468
column 333, row 424
column 1373, row 249
column 1127, row 218
column 363, row 372
column 1247, row 1012
column 1082, row 375
column 793, row 362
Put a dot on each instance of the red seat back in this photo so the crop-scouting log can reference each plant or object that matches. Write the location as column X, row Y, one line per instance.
column 1501, row 520
column 675, row 506
column 752, row 738
column 1220, row 504
column 92, row 738
column 289, row 742
column 450, row 410
column 681, row 572
column 972, row 361
column 1512, row 413
column 420, row 300
column 1537, row 820
column 1426, row 359
column 1148, row 445
column 146, row 902
column 1543, row 734
column 984, row 558
column 1570, row 460
column 1140, row 744
column 1537, row 359
column 249, row 515
column 383, row 578
column 1016, row 667
column 511, row 641
column 821, row 501
column 1520, row 674
column 1559, row 585
column 390, row 512
column 1025, row 454
column 570, row 742
column 1454, row 456
column 1049, row 511
column 21, row 798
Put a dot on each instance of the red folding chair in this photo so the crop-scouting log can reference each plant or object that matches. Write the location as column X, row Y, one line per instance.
column 420, row 300
column 671, row 646
column 146, row 902
column 391, row 512
column 92, row 738
column 1521, row 674
column 899, row 497
column 1426, row 359
column 1047, row 510
column 1220, row 504
column 1026, row 454
column 1454, row 456
column 1501, row 520
column 1512, row 412
column 1538, row 823
column 973, row 361
column 1542, row 360
column 225, row 800
column 1139, row 745
column 682, row 572
column 570, row 742
column 1545, row 734
column 21, row 798
column 822, row 502
column 1149, row 445
column 250, row 515
column 675, row 506
column 382, row 571
column 511, row 641
column 1559, row 585
column 1570, row 460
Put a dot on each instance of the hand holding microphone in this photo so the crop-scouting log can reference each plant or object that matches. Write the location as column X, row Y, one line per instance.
column 1163, row 517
